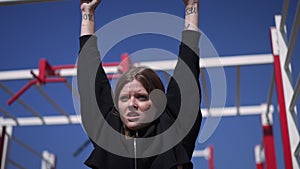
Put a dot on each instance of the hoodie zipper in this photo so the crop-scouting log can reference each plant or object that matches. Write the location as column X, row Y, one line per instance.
column 135, row 159
column 134, row 136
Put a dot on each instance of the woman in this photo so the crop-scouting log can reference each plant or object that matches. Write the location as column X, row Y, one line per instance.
column 139, row 107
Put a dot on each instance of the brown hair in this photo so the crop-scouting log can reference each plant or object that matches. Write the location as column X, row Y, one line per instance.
column 146, row 76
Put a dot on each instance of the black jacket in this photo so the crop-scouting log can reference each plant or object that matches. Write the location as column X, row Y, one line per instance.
column 90, row 70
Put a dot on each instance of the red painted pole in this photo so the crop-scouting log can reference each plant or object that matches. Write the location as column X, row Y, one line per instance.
column 19, row 93
column 260, row 166
column 270, row 155
column 282, row 114
column 125, row 63
column 280, row 97
column 211, row 164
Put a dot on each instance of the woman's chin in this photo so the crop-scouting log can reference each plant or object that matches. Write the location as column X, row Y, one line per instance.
column 133, row 125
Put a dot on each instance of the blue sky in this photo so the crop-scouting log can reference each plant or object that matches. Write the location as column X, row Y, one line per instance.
column 51, row 30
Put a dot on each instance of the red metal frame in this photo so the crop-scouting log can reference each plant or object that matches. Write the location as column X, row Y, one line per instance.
column 45, row 73
column 211, row 164
column 125, row 63
column 282, row 108
column 282, row 114
column 269, row 146
column 49, row 74
column 260, row 166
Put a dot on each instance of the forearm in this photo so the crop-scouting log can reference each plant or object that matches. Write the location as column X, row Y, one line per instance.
column 87, row 23
column 192, row 15
column 88, row 8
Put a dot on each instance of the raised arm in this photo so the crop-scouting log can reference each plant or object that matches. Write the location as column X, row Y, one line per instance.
column 188, row 53
column 185, row 97
column 94, row 87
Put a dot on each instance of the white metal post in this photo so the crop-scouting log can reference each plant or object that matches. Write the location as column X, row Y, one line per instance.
column 283, row 77
column 259, row 156
column 6, row 133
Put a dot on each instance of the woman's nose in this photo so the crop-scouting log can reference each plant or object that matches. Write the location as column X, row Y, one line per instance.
column 132, row 102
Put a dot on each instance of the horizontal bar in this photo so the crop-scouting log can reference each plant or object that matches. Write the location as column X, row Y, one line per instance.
column 35, row 121
column 232, row 111
column 226, row 61
column 242, row 60
column 25, row 74
column 75, row 119
column 15, row 2
column 201, row 153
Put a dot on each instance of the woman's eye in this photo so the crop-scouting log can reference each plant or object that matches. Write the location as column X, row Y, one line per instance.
column 123, row 98
column 143, row 97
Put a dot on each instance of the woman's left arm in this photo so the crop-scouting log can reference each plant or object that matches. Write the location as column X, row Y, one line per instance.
column 190, row 39
column 188, row 57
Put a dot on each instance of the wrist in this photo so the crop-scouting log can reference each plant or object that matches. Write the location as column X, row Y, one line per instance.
column 191, row 10
column 88, row 16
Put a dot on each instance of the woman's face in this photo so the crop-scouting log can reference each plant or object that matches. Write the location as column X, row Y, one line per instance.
column 135, row 106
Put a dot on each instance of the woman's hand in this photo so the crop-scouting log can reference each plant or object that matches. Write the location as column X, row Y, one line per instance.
column 190, row 2
column 89, row 5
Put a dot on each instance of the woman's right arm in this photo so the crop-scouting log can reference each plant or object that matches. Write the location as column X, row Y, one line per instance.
column 94, row 87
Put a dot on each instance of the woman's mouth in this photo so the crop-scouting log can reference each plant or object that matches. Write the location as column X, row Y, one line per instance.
column 133, row 117
column 132, row 114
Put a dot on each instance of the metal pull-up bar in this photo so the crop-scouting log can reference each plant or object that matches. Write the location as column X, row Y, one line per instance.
column 15, row 2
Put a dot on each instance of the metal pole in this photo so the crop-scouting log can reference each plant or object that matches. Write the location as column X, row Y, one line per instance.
column 282, row 114
column 5, row 139
column 268, row 139
column 284, row 13
column 288, row 120
column 293, row 37
column 259, row 157
column 15, row 2
column 2, row 144
column 211, row 164
column 238, row 89
column 295, row 95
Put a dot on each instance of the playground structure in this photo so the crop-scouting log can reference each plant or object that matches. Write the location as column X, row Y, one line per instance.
column 264, row 153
